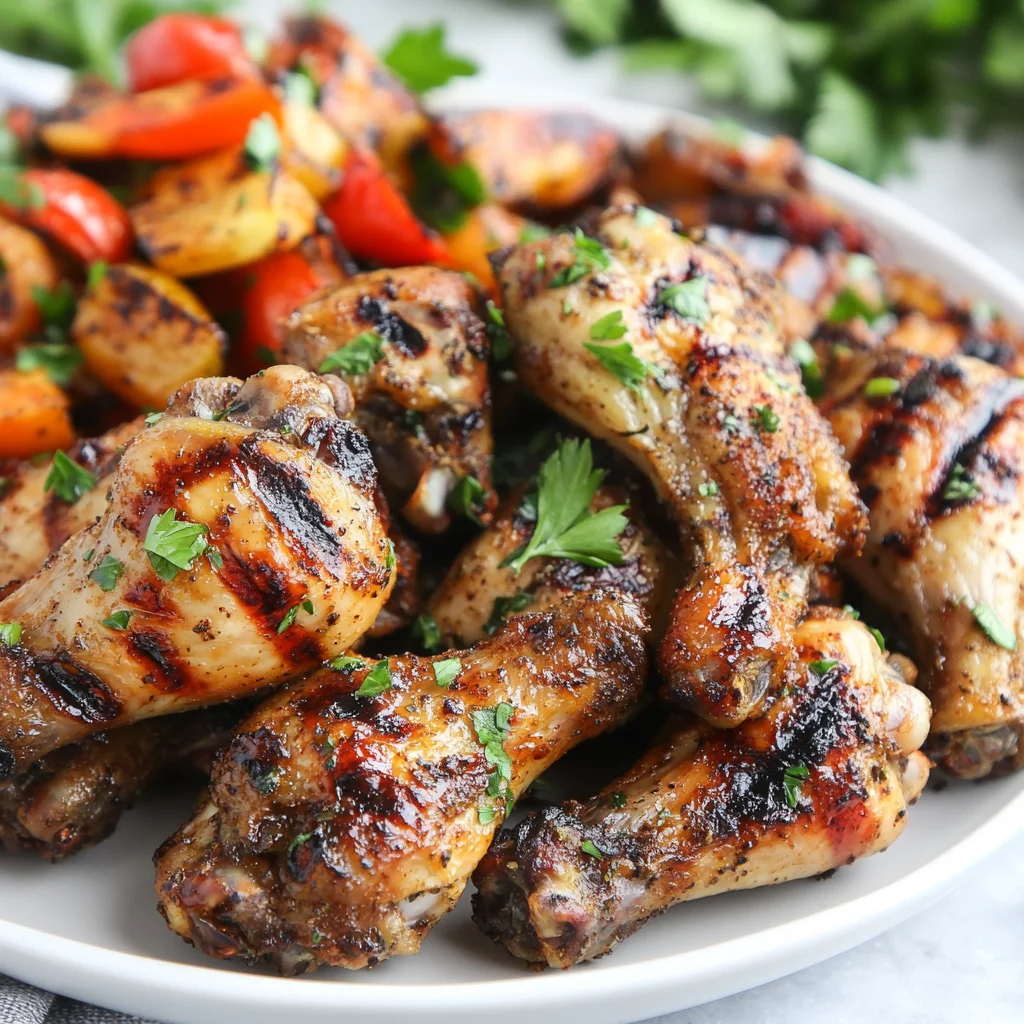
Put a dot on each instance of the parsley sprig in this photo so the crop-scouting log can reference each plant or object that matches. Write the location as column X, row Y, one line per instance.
column 492, row 726
column 68, row 480
column 356, row 356
column 173, row 544
column 590, row 256
column 418, row 56
column 566, row 528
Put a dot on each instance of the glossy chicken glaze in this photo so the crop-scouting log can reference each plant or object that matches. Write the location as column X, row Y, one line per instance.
column 425, row 406
column 467, row 603
column 775, row 502
column 75, row 796
column 707, row 811
column 339, row 828
column 293, row 518
column 930, row 559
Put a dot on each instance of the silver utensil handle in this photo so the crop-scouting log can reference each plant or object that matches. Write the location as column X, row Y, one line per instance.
column 34, row 82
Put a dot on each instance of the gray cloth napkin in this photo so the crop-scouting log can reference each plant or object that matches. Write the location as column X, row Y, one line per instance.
column 22, row 1004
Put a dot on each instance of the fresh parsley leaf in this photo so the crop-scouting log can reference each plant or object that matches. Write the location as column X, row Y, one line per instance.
column 153, row 418
column 56, row 305
column 820, row 668
column 609, row 328
column 502, row 608
column 792, row 779
column 566, row 528
column 97, row 272
column 58, row 360
column 591, row 849
column 347, row 663
column 87, row 557
column 810, row 369
column 618, row 799
column 107, row 573
column 173, row 544
column 443, row 194
column 993, row 627
column 850, row 304
column 468, row 498
column 426, row 632
column 300, row 88
column 485, row 814
column 852, row 612
column 879, row 639
column 389, row 558
column 223, row 414
column 118, row 620
column 707, row 490
column 881, row 387
column 445, row 671
column 289, row 616
column 844, row 126
column 960, row 486
column 419, row 58
column 68, row 480
column 688, row 298
column 765, row 418
column 645, row 217
column 492, row 726
column 590, row 256
column 262, row 143
column 501, row 340
column 533, row 233
column 10, row 633
column 376, row 681
column 15, row 191
column 623, row 363
column 215, row 558
column 356, row 356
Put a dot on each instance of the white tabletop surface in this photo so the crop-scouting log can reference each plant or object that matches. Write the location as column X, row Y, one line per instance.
column 962, row 959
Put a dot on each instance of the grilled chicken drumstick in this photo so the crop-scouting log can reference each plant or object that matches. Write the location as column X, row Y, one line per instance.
column 235, row 551
column 821, row 776
column 936, row 448
column 347, row 815
column 671, row 352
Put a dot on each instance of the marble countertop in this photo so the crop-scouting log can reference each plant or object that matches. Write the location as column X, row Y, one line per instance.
column 959, row 960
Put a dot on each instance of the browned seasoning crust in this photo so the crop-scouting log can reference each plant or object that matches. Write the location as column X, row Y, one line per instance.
column 293, row 519
column 339, row 827
column 820, row 776
column 723, row 430
column 426, row 404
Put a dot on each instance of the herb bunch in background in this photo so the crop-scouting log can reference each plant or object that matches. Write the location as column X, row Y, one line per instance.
column 855, row 79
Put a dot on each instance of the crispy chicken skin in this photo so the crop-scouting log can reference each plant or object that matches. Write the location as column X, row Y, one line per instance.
column 468, row 603
column 724, row 431
column 339, row 828
column 426, row 404
column 36, row 521
column 293, row 520
column 939, row 464
column 75, row 796
column 821, row 776
column 537, row 160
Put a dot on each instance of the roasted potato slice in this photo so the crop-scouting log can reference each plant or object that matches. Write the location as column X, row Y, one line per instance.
column 144, row 334
column 34, row 415
column 314, row 152
column 215, row 213
column 25, row 263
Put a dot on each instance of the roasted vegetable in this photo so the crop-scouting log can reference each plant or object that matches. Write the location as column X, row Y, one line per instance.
column 33, row 415
column 25, row 265
column 313, row 151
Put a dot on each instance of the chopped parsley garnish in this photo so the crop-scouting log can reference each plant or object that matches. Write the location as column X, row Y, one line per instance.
column 347, row 663
column 289, row 616
column 300, row 88
column 444, row 194
column 993, row 627
column 881, row 387
column 389, row 558
column 56, row 305
column 377, row 681
column 262, row 143
column 215, row 558
column 566, row 528
column 356, row 356
column 97, row 272
column 730, row 422
column 688, row 298
column 591, row 256
column 68, row 480
column 445, row 671
column 533, row 233
column 707, row 490
column 173, row 544
column 153, row 418
column 609, row 328
column 223, row 414
column 107, row 573
column 10, row 633
column 850, row 304
column 792, row 779
column 491, row 726
column 765, row 418
column 468, row 498
column 485, row 814
column 852, row 612
column 645, row 217
column 502, row 608
column 541, row 261
column 960, row 486
column 623, row 363
column 618, row 799
column 592, row 849
column 501, row 340
column 119, row 620
column 879, row 639
column 58, row 360
column 425, row 630
column 810, row 369
column 820, row 668
column 87, row 557
column 16, row 192
column 419, row 58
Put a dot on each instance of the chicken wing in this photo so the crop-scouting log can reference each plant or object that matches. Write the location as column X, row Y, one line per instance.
column 75, row 796
column 936, row 449
column 234, row 552
column 347, row 815
column 420, row 388
column 822, row 777
column 701, row 396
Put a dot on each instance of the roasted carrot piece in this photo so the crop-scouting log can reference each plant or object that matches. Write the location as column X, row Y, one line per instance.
column 34, row 415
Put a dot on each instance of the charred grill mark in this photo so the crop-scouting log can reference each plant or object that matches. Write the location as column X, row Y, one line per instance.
column 391, row 327
column 7, row 761
column 256, row 584
column 343, row 446
column 74, row 691
column 998, row 353
column 158, row 651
